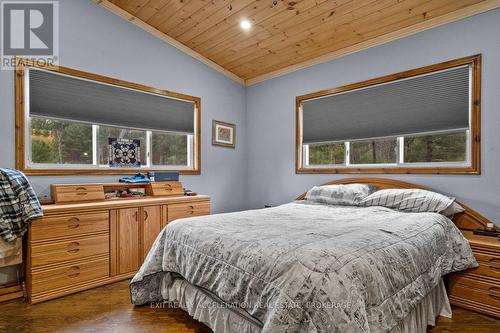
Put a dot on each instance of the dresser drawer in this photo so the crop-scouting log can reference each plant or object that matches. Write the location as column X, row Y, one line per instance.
column 181, row 210
column 489, row 265
column 479, row 291
column 164, row 188
column 77, row 193
column 61, row 251
column 69, row 275
column 69, row 225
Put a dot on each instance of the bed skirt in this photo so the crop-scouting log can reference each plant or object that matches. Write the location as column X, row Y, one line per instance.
column 207, row 308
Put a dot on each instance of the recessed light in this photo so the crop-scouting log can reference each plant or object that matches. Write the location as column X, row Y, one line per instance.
column 245, row 24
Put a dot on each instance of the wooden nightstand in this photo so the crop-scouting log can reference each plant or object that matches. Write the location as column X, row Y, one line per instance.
column 478, row 289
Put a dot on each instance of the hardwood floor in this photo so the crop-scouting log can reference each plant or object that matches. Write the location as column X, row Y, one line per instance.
column 108, row 309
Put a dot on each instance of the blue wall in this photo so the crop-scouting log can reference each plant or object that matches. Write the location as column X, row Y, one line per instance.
column 270, row 121
column 95, row 40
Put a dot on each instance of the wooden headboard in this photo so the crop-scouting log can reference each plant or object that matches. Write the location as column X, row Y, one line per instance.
column 468, row 220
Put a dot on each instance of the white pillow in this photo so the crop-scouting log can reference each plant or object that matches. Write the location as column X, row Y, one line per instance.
column 453, row 209
column 350, row 194
column 409, row 200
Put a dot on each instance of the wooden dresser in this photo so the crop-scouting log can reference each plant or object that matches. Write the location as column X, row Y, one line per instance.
column 478, row 289
column 81, row 245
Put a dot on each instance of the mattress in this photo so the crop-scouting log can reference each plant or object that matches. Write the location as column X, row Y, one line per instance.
column 302, row 267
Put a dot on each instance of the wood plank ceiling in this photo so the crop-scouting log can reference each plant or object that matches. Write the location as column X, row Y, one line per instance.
column 284, row 32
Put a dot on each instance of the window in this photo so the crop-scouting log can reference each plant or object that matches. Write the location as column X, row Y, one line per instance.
column 69, row 117
column 421, row 121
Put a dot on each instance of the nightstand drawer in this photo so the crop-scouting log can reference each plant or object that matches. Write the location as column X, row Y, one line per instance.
column 489, row 265
column 182, row 210
column 69, row 275
column 61, row 251
column 69, row 225
column 479, row 291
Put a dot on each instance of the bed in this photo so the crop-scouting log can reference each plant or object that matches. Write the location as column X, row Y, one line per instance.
column 309, row 267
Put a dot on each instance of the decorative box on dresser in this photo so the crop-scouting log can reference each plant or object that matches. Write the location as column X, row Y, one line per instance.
column 478, row 289
column 84, row 240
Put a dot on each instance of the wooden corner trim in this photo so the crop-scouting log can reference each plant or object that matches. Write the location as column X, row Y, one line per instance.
column 457, row 15
column 164, row 37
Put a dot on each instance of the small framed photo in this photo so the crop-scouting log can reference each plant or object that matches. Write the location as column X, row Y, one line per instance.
column 223, row 134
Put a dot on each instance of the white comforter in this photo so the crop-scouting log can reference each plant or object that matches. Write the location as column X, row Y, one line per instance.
column 302, row 267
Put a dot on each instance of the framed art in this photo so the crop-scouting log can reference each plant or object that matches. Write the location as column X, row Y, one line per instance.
column 223, row 134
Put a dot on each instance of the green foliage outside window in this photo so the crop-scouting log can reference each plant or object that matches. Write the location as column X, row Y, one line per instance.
column 450, row 147
column 169, row 149
column 60, row 142
column 374, row 151
column 433, row 148
column 65, row 142
column 326, row 153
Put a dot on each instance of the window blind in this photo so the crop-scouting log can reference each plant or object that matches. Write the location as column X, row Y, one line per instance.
column 431, row 102
column 71, row 98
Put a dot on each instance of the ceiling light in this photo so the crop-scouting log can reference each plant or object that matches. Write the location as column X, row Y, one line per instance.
column 245, row 25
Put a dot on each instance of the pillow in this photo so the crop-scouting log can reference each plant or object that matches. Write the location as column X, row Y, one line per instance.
column 350, row 194
column 409, row 200
column 453, row 209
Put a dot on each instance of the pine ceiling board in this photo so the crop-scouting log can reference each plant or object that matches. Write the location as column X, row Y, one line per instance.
column 231, row 22
column 150, row 8
column 286, row 34
column 376, row 24
column 259, row 66
column 231, row 33
column 181, row 15
column 166, row 11
column 131, row 6
column 244, row 40
column 345, row 29
column 198, row 17
column 213, row 19
column 297, row 35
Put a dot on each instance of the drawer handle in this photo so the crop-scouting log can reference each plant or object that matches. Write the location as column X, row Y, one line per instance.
column 73, row 247
column 494, row 292
column 81, row 193
column 192, row 209
column 146, row 215
column 75, row 273
column 494, row 263
column 73, row 223
column 81, row 188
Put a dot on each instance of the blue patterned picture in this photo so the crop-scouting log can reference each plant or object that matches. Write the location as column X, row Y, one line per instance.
column 124, row 153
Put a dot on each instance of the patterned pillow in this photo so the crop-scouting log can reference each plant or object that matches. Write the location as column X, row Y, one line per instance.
column 409, row 200
column 350, row 194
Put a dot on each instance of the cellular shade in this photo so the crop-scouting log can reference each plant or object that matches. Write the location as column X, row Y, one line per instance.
column 65, row 97
column 431, row 102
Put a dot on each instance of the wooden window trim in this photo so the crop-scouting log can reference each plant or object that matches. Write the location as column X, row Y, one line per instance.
column 475, row 130
column 22, row 64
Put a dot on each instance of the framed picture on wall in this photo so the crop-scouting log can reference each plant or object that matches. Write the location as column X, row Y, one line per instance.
column 223, row 134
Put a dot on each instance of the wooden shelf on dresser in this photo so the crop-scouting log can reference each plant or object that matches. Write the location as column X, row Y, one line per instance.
column 78, row 246
column 478, row 289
